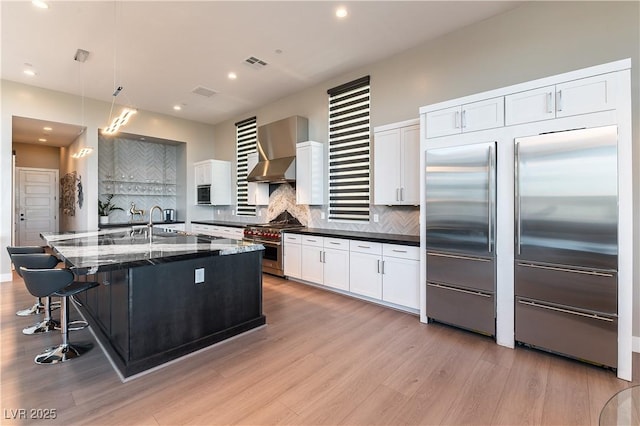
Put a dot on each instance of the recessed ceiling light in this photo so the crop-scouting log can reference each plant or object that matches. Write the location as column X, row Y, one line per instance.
column 47, row 129
column 177, row 107
column 42, row 140
column 41, row 4
column 341, row 12
column 232, row 76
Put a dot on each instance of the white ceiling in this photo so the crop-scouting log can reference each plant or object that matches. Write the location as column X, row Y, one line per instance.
column 159, row 51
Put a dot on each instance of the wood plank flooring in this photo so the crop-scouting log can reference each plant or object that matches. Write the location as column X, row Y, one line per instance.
column 322, row 359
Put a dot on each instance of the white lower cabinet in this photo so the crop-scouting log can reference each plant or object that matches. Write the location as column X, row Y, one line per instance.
column 218, row 231
column 400, row 275
column 385, row 272
column 170, row 226
column 292, row 255
column 365, row 277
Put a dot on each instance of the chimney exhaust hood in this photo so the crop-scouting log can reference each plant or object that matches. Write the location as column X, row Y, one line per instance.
column 277, row 150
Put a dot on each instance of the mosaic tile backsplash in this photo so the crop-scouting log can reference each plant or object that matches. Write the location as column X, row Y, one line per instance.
column 403, row 220
column 142, row 173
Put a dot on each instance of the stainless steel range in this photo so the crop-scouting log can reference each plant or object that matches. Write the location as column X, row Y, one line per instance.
column 270, row 236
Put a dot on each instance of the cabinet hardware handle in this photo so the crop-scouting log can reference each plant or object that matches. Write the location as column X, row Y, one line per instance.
column 549, row 109
column 559, row 100
column 565, row 311
column 320, row 253
column 399, row 251
column 364, row 246
column 464, row 118
column 382, row 267
column 397, row 194
column 311, row 241
column 575, row 271
column 459, row 290
column 378, row 265
column 334, row 243
column 457, row 120
column 401, row 194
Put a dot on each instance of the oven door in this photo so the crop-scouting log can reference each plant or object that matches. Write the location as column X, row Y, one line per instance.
column 272, row 258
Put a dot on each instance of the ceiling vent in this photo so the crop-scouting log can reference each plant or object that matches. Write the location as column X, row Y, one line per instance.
column 203, row 91
column 255, row 63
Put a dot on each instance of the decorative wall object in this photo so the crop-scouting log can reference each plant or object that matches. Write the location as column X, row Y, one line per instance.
column 68, row 186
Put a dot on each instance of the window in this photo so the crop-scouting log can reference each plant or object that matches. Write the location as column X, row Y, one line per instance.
column 349, row 137
column 246, row 132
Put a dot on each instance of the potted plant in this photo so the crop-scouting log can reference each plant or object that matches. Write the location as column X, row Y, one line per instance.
column 106, row 207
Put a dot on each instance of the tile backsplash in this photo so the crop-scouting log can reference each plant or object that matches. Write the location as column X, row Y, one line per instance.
column 403, row 220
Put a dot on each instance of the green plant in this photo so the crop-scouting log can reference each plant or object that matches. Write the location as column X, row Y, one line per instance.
column 106, row 207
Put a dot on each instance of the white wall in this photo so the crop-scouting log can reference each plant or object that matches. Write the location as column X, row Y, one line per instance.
column 33, row 102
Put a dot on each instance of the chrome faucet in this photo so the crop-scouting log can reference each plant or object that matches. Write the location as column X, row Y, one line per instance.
column 151, row 214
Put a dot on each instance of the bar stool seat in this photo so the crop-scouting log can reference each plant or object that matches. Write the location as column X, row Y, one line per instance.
column 58, row 282
column 38, row 261
column 38, row 307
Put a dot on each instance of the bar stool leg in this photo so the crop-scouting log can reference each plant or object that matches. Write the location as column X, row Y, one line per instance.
column 46, row 325
column 65, row 351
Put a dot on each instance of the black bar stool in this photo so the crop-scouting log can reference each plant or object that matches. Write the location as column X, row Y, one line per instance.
column 38, row 261
column 57, row 282
column 38, row 307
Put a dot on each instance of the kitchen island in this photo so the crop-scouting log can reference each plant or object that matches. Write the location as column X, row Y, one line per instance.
column 163, row 294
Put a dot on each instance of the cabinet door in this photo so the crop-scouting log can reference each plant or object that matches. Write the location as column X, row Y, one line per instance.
column 400, row 282
column 386, row 155
column 257, row 193
column 221, row 183
column 365, row 276
column 336, row 268
column 203, row 173
column 310, row 173
column 312, row 266
column 292, row 260
column 410, row 165
column 481, row 115
column 444, row 122
column 586, row 95
column 529, row 106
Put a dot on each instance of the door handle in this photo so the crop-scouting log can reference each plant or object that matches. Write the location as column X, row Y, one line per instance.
column 559, row 100
column 565, row 311
column 549, row 109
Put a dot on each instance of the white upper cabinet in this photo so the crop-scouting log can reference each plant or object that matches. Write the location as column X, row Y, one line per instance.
column 481, row 115
column 216, row 173
column 575, row 97
column 310, row 173
column 257, row 193
column 396, row 164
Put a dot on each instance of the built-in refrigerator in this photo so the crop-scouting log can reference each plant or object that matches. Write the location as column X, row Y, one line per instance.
column 460, row 190
column 566, row 243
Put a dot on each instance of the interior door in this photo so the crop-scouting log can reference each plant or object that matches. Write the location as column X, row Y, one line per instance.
column 36, row 204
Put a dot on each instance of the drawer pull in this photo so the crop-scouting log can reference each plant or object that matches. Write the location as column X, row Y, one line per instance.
column 452, row 256
column 312, row 241
column 364, row 246
column 399, row 251
column 575, row 271
column 565, row 311
column 459, row 290
column 334, row 243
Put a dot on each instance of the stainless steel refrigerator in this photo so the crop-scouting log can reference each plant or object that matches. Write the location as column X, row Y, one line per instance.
column 460, row 235
column 566, row 243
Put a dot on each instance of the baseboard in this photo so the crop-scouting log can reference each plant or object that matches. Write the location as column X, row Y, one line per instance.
column 6, row 277
column 635, row 344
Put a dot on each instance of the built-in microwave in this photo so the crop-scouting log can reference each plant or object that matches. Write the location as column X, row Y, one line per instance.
column 204, row 194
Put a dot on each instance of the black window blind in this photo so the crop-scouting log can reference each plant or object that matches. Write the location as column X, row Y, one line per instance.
column 246, row 136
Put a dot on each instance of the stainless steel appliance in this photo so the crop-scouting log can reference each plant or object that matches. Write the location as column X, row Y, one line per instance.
column 460, row 235
column 277, row 150
column 204, row 194
column 566, row 245
column 169, row 215
column 270, row 236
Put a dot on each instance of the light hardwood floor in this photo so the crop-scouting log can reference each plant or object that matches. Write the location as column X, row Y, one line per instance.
column 322, row 359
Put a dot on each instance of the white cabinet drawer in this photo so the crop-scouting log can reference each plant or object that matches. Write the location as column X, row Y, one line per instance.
column 403, row 252
column 312, row 240
column 365, row 247
column 201, row 229
column 292, row 238
column 336, row 243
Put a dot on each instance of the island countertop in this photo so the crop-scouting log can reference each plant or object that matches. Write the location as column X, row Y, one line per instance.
column 111, row 249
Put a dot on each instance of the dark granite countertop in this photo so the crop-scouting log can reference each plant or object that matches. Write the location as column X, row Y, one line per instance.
column 408, row 240
column 220, row 223
column 119, row 248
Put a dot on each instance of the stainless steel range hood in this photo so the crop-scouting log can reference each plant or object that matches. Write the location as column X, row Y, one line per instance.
column 277, row 150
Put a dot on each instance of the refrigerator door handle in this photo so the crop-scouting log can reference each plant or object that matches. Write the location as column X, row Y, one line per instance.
column 455, row 256
column 490, row 200
column 558, row 269
column 517, row 195
column 459, row 290
column 565, row 311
